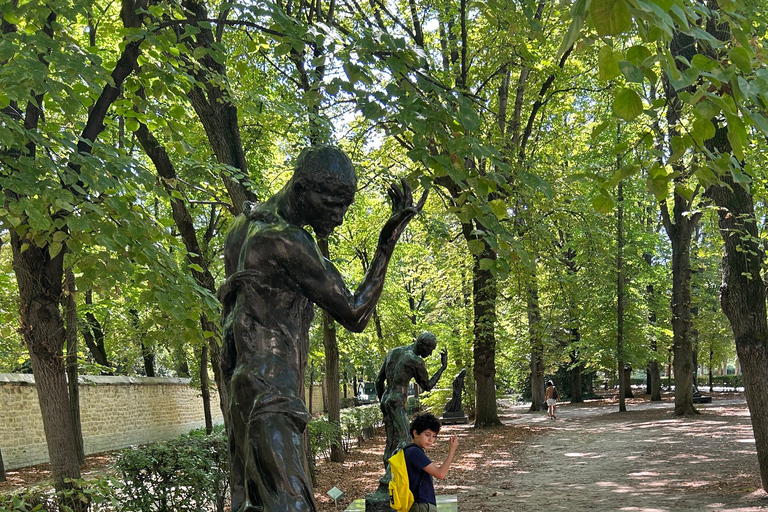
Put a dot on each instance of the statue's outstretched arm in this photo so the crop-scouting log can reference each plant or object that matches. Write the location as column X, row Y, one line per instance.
column 322, row 283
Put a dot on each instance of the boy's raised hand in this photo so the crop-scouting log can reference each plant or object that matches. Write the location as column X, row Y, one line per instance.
column 453, row 442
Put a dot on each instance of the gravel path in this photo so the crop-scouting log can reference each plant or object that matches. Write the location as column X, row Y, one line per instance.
column 594, row 458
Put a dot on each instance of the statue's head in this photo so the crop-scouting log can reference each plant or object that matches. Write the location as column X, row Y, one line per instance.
column 324, row 184
column 425, row 344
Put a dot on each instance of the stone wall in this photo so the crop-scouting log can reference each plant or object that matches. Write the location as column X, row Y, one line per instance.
column 116, row 412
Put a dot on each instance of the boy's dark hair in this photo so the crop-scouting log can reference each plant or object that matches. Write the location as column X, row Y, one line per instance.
column 550, row 383
column 424, row 421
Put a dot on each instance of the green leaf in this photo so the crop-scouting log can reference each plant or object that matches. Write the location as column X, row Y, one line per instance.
column 487, row 264
column 499, row 208
column 707, row 109
column 469, row 118
column 195, row 267
column 476, row 246
column 737, row 136
column 740, row 177
column 703, row 62
column 131, row 124
column 54, row 248
column 199, row 52
column 607, row 63
column 658, row 182
column 597, row 130
column 703, row 129
column 536, row 182
column 631, row 72
column 602, row 203
column 623, row 173
column 740, row 56
column 627, row 104
column 760, row 121
column 684, row 191
column 578, row 13
column 610, row 17
column 637, row 55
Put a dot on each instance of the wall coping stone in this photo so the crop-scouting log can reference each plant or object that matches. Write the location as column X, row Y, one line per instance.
column 29, row 379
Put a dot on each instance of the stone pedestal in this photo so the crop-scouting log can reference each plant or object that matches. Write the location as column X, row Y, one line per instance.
column 445, row 503
column 377, row 502
column 454, row 417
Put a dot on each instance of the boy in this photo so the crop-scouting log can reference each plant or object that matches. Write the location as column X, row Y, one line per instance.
column 424, row 429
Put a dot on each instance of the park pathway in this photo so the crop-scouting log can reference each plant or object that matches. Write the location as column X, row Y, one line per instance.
column 594, row 458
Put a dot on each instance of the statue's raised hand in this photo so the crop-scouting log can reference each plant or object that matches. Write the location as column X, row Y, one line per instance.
column 444, row 358
column 403, row 210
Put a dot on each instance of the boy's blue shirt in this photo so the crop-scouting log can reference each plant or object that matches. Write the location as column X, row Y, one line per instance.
column 416, row 460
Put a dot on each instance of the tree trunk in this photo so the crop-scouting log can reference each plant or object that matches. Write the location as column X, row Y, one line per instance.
column 627, row 377
column 216, row 111
column 205, row 389
column 93, row 334
column 537, row 345
column 484, row 304
column 39, row 279
column 2, row 468
column 70, row 306
column 576, row 395
column 620, row 289
column 331, row 347
column 182, row 365
column 681, row 323
column 653, row 369
column 679, row 227
column 148, row 355
column 742, row 296
column 311, row 387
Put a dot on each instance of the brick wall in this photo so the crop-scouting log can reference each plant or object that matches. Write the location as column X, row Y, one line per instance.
column 115, row 412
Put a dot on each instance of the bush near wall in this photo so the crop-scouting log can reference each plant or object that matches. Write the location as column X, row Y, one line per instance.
column 187, row 474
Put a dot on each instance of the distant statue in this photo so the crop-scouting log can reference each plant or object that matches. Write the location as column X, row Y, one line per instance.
column 275, row 273
column 400, row 366
column 454, row 404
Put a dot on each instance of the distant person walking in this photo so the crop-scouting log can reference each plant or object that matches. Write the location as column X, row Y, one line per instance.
column 552, row 397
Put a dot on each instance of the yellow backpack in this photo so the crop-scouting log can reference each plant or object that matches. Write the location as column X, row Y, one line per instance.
column 400, row 495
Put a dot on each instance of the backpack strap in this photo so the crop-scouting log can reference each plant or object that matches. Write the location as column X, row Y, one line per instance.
column 421, row 471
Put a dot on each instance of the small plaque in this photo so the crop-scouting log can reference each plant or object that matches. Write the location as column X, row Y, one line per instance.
column 335, row 493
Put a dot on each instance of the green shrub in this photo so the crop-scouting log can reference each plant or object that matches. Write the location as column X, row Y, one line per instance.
column 97, row 495
column 357, row 423
column 322, row 436
column 726, row 381
column 187, row 474
column 434, row 401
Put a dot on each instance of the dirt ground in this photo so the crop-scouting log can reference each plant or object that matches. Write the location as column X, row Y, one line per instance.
column 590, row 458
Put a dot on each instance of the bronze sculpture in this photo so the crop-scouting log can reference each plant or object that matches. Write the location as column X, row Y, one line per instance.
column 275, row 273
column 454, row 404
column 400, row 366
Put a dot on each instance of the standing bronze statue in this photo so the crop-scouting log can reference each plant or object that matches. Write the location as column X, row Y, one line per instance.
column 400, row 366
column 275, row 273
column 454, row 404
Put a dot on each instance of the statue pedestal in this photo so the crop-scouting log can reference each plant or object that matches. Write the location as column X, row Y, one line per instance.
column 454, row 417
column 445, row 503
